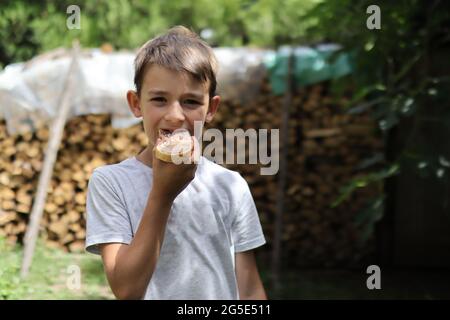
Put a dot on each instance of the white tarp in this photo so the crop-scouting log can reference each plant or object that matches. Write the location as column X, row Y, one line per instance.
column 30, row 92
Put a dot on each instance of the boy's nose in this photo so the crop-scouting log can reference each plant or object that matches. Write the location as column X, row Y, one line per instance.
column 175, row 113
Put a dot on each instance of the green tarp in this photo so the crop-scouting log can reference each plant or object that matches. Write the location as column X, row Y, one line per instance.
column 311, row 65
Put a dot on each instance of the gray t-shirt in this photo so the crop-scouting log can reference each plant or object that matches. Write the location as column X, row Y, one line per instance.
column 210, row 220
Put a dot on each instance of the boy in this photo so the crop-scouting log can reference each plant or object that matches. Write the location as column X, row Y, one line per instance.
column 166, row 231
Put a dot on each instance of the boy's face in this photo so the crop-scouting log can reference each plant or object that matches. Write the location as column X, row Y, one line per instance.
column 170, row 100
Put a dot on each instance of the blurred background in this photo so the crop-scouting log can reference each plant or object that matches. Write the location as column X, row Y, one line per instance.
column 361, row 97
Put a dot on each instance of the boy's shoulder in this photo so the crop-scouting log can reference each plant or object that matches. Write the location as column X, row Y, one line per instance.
column 117, row 174
column 221, row 176
column 215, row 168
column 126, row 166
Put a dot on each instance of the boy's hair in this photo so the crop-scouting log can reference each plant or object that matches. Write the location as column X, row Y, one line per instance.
column 182, row 50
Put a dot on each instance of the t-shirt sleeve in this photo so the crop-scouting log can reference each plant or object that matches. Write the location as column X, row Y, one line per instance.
column 246, row 230
column 107, row 220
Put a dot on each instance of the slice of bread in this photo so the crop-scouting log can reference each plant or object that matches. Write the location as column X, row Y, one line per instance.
column 175, row 147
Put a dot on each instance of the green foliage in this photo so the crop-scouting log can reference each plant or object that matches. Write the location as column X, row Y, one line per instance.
column 364, row 181
column 17, row 42
column 27, row 29
column 393, row 68
column 368, row 217
column 402, row 79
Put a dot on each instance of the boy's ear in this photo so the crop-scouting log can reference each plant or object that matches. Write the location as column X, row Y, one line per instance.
column 133, row 103
column 212, row 109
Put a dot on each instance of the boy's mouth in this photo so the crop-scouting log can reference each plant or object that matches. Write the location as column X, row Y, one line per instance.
column 165, row 132
column 168, row 132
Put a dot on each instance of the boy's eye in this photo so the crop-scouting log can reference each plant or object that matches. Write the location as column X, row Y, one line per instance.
column 189, row 101
column 158, row 99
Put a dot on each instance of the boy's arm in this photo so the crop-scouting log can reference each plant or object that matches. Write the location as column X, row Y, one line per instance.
column 249, row 283
column 129, row 268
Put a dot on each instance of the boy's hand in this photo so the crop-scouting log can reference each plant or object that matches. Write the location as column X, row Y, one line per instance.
column 169, row 179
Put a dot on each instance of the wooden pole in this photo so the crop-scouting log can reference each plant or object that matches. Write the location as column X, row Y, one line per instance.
column 57, row 130
column 278, row 228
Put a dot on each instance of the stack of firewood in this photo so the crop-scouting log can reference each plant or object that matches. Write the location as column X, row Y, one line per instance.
column 88, row 142
column 325, row 145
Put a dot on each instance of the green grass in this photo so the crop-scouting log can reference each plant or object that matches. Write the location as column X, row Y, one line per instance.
column 51, row 274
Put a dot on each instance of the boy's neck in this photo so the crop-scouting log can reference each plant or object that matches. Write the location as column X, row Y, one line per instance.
column 146, row 156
